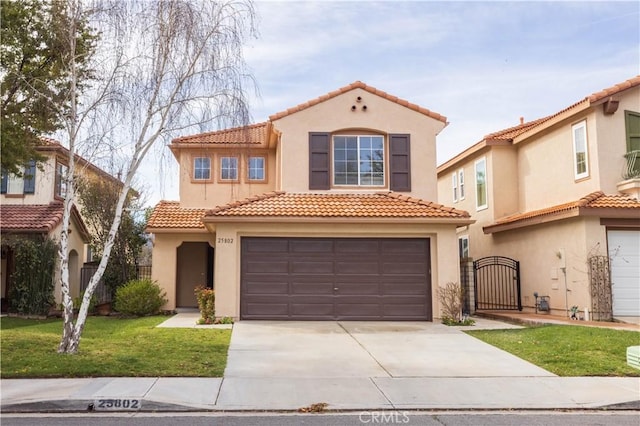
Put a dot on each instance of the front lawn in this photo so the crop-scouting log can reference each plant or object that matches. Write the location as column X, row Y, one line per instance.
column 568, row 350
column 112, row 347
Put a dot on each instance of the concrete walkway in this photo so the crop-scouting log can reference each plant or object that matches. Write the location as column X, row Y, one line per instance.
column 279, row 366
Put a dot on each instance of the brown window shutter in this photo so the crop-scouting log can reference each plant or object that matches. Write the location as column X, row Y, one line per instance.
column 319, row 144
column 400, row 163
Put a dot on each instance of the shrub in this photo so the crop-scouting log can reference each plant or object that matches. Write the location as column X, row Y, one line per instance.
column 207, row 304
column 451, row 299
column 139, row 298
column 33, row 279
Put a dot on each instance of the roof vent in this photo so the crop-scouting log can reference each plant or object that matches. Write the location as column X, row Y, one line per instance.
column 521, row 120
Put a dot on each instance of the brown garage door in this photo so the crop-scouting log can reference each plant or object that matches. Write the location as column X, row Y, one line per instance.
column 335, row 279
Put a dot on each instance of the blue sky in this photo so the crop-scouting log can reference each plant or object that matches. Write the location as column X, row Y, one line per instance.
column 481, row 64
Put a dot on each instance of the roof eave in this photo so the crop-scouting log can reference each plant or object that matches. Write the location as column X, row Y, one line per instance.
column 561, row 116
column 333, row 219
column 161, row 230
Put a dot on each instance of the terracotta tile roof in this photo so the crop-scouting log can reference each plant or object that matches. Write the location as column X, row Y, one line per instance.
column 254, row 134
column 375, row 205
column 511, row 132
column 610, row 91
column 359, row 85
column 36, row 218
column 169, row 214
column 595, row 200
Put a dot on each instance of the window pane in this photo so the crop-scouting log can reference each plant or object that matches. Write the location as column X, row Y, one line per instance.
column 481, row 184
column 202, row 168
column 256, row 168
column 229, row 168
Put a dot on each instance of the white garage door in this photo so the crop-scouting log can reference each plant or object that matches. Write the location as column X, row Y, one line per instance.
column 624, row 251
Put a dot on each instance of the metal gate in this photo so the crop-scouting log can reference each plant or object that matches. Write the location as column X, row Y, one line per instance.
column 497, row 283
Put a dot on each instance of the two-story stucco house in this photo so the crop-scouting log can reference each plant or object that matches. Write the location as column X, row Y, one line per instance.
column 32, row 204
column 325, row 211
column 559, row 194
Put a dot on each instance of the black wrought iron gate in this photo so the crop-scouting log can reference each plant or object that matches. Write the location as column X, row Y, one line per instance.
column 497, row 283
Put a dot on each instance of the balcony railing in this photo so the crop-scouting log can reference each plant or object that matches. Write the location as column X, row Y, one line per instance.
column 632, row 169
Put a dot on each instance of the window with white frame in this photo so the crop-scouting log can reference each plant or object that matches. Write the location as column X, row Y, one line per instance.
column 358, row 160
column 580, row 154
column 202, row 168
column 61, row 182
column 256, row 169
column 21, row 183
column 463, row 246
column 229, row 168
column 454, row 186
column 461, row 183
column 481, row 183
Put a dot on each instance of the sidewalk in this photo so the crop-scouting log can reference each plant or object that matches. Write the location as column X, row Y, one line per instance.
column 476, row 391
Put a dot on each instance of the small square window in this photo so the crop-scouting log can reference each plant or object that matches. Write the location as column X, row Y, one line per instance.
column 228, row 168
column 256, row 168
column 201, row 168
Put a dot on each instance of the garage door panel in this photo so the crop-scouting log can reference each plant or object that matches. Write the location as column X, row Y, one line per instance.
column 268, row 267
column 360, row 289
column 312, row 267
column 316, row 246
column 268, row 245
column 356, row 246
column 262, row 287
column 624, row 252
column 317, row 288
column 337, row 278
column 312, row 310
column 357, row 267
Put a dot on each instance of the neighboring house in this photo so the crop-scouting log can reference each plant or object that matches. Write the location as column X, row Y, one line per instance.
column 323, row 212
column 554, row 194
column 32, row 204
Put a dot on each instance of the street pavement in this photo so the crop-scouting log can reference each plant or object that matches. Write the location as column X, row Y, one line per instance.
column 307, row 366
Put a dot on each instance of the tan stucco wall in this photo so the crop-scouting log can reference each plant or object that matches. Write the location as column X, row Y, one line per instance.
column 164, row 268
column 214, row 193
column 77, row 245
column 381, row 116
column 538, row 248
column 444, row 253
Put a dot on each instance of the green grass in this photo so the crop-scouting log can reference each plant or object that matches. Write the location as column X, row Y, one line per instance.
column 568, row 350
column 112, row 347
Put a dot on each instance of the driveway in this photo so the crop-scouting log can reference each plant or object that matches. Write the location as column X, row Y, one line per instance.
column 327, row 349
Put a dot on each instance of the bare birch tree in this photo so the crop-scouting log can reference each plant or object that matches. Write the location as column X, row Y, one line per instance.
column 160, row 67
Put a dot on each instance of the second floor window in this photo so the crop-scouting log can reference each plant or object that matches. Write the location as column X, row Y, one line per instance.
column 61, row 183
column 201, row 168
column 256, row 168
column 24, row 184
column 454, row 186
column 580, row 155
column 481, row 184
column 228, row 168
column 358, row 160
column 461, row 183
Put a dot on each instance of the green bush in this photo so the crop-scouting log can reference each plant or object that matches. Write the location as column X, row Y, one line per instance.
column 207, row 304
column 140, row 298
column 31, row 292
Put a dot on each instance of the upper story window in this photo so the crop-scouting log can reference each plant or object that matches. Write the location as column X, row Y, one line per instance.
column 202, row 168
column 632, row 127
column 580, row 154
column 256, row 169
column 61, row 183
column 18, row 185
column 358, row 160
column 461, row 183
column 481, row 184
column 229, row 168
column 454, row 186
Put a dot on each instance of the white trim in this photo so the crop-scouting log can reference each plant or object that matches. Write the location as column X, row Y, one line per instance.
column 463, row 238
column 461, row 183
column 581, row 126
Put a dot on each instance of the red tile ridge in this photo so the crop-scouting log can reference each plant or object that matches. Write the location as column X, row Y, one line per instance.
column 617, row 88
column 358, row 85
column 244, row 202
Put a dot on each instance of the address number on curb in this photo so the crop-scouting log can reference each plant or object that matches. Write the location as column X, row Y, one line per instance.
column 117, row 404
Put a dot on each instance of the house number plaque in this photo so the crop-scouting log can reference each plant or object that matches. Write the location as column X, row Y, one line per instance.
column 118, row 404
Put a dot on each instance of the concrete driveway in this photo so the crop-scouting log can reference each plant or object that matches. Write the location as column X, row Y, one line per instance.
column 271, row 349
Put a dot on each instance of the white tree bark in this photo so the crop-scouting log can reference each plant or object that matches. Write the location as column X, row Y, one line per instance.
column 172, row 64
